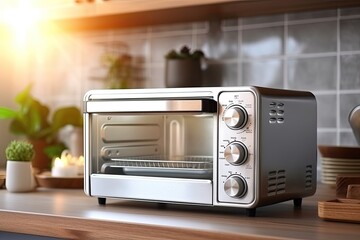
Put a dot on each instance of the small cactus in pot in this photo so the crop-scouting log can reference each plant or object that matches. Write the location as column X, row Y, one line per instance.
column 20, row 151
column 19, row 177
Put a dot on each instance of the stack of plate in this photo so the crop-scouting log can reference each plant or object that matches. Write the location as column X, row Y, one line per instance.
column 338, row 160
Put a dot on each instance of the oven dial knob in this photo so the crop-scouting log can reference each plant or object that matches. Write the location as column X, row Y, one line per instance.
column 235, row 117
column 235, row 186
column 236, row 153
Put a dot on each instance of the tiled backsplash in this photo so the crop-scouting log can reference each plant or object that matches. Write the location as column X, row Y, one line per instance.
column 316, row 51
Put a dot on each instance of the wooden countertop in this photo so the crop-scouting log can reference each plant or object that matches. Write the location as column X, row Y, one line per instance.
column 70, row 214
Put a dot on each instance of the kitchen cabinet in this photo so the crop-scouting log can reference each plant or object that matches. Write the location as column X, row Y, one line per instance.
column 121, row 14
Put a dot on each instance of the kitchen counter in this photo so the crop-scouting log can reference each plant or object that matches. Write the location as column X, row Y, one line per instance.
column 71, row 214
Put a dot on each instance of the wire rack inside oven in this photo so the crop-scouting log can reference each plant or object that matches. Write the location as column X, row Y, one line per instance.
column 197, row 167
column 183, row 162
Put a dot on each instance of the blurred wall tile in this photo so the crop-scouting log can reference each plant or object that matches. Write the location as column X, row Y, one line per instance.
column 312, row 15
column 233, row 22
column 218, row 44
column 230, row 77
column 201, row 26
column 157, row 76
column 326, row 138
column 326, row 111
column 262, row 42
column 266, row 73
column 312, row 73
column 136, row 47
column 305, row 38
column 350, row 35
column 348, row 139
column 263, row 19
column 350, row 72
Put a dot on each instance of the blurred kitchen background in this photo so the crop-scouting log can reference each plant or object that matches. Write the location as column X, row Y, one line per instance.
column 317, row 51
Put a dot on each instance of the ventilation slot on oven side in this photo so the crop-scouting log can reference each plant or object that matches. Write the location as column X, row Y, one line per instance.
column 276, row 182
column 308, row 177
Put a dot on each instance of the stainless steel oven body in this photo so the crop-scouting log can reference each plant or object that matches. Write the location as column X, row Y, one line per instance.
column 225, row 146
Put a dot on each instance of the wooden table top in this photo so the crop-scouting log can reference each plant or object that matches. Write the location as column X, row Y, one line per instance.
column 71, row 214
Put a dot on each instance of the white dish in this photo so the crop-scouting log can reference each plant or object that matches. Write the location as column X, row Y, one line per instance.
column 343, row 167
column 334, row 165
column 337, row 171
column 341, row 160
column 330, row 182
column 329, row 177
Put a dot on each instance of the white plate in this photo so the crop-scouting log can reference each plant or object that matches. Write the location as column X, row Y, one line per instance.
column 328, row 182
column 340, row 167
column 336, row 171
column 341, row 160
column 329, row 176
column 340, row 164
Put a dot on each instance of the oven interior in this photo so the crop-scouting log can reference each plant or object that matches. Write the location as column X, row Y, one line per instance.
column 157, row 145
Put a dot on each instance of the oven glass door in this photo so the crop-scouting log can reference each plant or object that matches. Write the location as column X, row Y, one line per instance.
column 176, row 141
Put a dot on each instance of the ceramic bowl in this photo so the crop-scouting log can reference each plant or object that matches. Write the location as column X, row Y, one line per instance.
column 338, row 160
column 339, row 152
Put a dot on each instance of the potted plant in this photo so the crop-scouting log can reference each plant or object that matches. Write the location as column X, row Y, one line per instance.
column 183, row 68
column 19, row 177
column 119, row 70
column 32, row 120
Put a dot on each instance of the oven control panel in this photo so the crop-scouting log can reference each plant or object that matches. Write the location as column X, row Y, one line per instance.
column 236, row 163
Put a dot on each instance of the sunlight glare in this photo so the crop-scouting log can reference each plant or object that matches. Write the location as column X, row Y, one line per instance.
column 22, row 19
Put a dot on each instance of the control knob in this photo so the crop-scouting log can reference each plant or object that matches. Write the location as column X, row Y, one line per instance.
column 236, row 153
column 235, row 186
column 235, row 117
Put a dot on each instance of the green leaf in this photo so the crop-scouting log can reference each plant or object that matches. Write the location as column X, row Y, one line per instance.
column 17, row 127
column 54, row 150
column 185, row 50
column 7, row 113
column 172, row 54
column 34, row 121
column 66, row 116
column 198, row 54
column 24, row 95
column 38, row 116
column 31, row 118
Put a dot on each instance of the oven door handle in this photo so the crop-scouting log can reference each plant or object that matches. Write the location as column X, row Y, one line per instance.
column 153, row 105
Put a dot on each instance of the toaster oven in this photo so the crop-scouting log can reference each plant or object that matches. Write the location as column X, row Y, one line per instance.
column 241, row 147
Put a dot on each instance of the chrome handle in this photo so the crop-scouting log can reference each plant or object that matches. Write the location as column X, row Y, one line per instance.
column 153, row 105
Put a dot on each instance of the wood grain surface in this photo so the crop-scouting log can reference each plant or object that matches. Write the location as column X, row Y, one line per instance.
column 69, row 214
column 340, row 211
column 343, row 181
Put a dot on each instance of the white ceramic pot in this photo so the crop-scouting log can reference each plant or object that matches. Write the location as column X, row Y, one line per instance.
column 19, row 176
